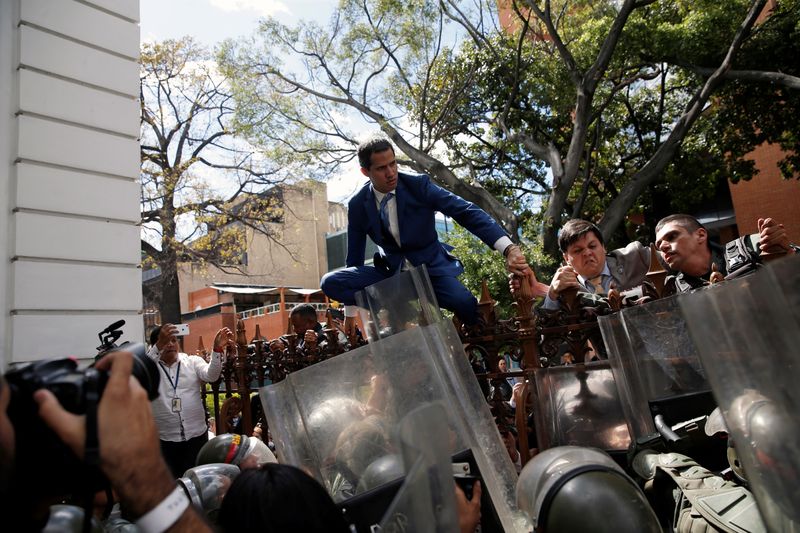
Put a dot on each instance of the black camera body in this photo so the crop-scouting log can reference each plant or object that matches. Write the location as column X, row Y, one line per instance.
column 44, row 465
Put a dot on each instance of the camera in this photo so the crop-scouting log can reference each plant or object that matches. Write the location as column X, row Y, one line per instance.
column 45, row 465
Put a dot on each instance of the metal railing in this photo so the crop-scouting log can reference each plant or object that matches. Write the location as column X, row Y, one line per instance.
column 274, row 308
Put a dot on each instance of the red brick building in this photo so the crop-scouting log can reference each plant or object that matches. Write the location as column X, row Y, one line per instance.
column 220, row 305
column 767, row 195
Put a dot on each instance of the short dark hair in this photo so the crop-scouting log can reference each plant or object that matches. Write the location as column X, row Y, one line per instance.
column 279, row 497
column 687, row 222
column 154, row 333
column 574, row 229
column 370, row 146
column 304, row 310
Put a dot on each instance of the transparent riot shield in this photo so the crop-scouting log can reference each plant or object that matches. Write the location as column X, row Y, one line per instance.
column 424, row 503
column 656, row 366
column 747, row 332
column 579, row 405
column 398, row 303
column 338, row 419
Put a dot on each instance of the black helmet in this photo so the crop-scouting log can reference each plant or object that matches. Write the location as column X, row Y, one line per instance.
column 559, row 480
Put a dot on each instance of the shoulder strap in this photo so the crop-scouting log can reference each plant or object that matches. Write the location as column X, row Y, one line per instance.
column 708, row 499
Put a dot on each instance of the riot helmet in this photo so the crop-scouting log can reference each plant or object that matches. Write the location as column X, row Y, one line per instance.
column 559, row 480
column 244, row 452
column 206, row 486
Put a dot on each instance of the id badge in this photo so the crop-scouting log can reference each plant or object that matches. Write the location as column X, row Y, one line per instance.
column 176, row 405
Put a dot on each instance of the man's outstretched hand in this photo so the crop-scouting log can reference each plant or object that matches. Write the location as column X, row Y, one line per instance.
column 772, row 237
column 515, row 261
column 538, row 288
column 224, row 339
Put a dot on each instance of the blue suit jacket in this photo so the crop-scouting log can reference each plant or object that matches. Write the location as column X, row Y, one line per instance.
column 417, row 202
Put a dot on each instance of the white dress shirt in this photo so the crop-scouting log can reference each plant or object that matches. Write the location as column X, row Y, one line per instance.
column 391, row 212
column 191, row 418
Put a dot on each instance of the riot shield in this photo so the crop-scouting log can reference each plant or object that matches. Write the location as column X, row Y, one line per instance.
column 579, row 405
column 424, row 502
column 655, row 365
column 747, row 332
column 398, row 303
column 337, row 418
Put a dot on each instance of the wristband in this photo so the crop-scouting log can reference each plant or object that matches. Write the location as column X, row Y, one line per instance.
column 166, row 513
column 508, row 249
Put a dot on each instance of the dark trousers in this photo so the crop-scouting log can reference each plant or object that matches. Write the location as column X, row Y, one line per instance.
column 181, row 456
column 342, row 285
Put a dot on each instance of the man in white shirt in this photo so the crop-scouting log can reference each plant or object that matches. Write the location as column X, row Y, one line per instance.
column 179, row 410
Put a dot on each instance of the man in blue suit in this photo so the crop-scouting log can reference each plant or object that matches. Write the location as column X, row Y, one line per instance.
column 397, row 211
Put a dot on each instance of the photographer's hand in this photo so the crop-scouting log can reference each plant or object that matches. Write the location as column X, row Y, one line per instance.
column 310, row 337
column 129, row 450
column 277, row 346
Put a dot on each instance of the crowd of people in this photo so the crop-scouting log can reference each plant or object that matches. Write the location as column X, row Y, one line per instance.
column 143, row 466
column 145, row 446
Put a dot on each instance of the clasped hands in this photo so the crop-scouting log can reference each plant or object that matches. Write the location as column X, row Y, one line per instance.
column 518, row 268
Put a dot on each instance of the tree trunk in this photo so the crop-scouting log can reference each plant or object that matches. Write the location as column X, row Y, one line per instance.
column 170, row 293
column 552, row 215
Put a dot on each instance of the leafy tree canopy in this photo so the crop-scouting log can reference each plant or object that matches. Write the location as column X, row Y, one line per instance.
column 568, row 108
column 188, row 141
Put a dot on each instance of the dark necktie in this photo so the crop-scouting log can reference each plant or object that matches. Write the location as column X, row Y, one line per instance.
column 597, row 283
column 384, row 214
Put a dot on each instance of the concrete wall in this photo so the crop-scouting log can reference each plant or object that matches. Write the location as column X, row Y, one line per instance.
column 69, row 129
column 299, row 261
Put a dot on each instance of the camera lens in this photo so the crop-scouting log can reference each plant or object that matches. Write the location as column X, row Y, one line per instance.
column 144, row 369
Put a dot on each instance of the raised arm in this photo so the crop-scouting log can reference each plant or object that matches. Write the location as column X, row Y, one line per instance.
column 211, row 370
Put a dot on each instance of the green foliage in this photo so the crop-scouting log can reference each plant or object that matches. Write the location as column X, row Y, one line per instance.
column 747, row 114
column 445, row 78
column 483, row 264
column 210, row 400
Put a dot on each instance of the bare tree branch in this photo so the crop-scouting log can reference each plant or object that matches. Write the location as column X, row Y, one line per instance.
column 651, row 170
column 762, row 76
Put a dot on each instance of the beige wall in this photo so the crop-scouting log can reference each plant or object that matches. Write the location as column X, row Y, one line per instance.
column 299, row 260
column 337, row 217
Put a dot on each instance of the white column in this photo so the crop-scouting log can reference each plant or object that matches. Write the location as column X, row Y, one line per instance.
column 70, row 164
